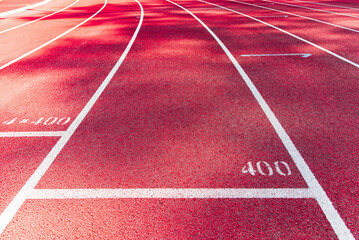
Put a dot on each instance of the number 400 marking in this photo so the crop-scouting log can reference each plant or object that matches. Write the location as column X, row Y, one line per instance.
column 250, row 169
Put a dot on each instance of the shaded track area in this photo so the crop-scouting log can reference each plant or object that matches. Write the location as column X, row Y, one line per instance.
column 174, row 142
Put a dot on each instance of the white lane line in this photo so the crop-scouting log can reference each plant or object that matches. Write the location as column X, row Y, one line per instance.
column 291, row 34
column 49, row 15
column 51, row 41
column 32, row 134
column 332, row 215
column 172, row 193
column 301, row 16
column 273, row 16
column 330, row 5
column 4, row 14
column 24, row 192
column 304, row 55
column 315, row 9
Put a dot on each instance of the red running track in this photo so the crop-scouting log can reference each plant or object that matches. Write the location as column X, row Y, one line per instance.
column 177, row 146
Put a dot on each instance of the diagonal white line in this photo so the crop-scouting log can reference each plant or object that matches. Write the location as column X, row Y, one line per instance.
column 330, row 5
column 49, row 42
column 301, row 16
column 290, row 34
column 304, row 55
column 32, row 134
column 49, row 15
column 332, row 215
column 3, row 14
column 172, row 193
column 315, row 9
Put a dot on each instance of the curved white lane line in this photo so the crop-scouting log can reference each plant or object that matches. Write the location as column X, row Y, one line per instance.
column 301, row 16
column 3, row 14
column 315, row 9
column 332, row 215
column 330, row 5
column 291, row 34
column 24, row 24
column 52, row 40
column 29, row 186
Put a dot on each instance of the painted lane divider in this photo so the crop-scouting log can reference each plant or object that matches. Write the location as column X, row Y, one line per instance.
column 304, row 55
column 272, row 16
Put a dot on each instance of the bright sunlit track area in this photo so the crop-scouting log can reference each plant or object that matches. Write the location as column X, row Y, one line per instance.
column 179, row 119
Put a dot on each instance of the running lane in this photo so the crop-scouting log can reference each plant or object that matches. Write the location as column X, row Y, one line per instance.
column 54, row 84
column 315, row 98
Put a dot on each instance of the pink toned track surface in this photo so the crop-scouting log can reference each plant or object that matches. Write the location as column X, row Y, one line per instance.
column 10, row 5
column 183, row 119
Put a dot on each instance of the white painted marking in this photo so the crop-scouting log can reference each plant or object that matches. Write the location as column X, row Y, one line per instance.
column 273, row 16
column 51, row 41
column 304, row 55
column 24, row 24
column 4, row 14
column 172, row 193
column 332, row 215
column 24, row 192
column 330, row 5
column 297, row 15
column 320, row 10
column 203, row 8
column 291, row 34
column 32, row 134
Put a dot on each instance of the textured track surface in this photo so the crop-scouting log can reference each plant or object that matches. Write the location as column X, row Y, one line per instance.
column 148, row 119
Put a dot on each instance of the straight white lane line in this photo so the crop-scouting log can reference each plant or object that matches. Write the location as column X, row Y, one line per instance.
column 32, row 134
column 171, row 193
column 301, row 16
column 51, row 41
column 332, row 215
column 49, row 15
column 273, row 16
column 315, row 9
column 291, row 34
column 23, row 194
column 330, row 5
column 304, row 55
column 4, row 14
